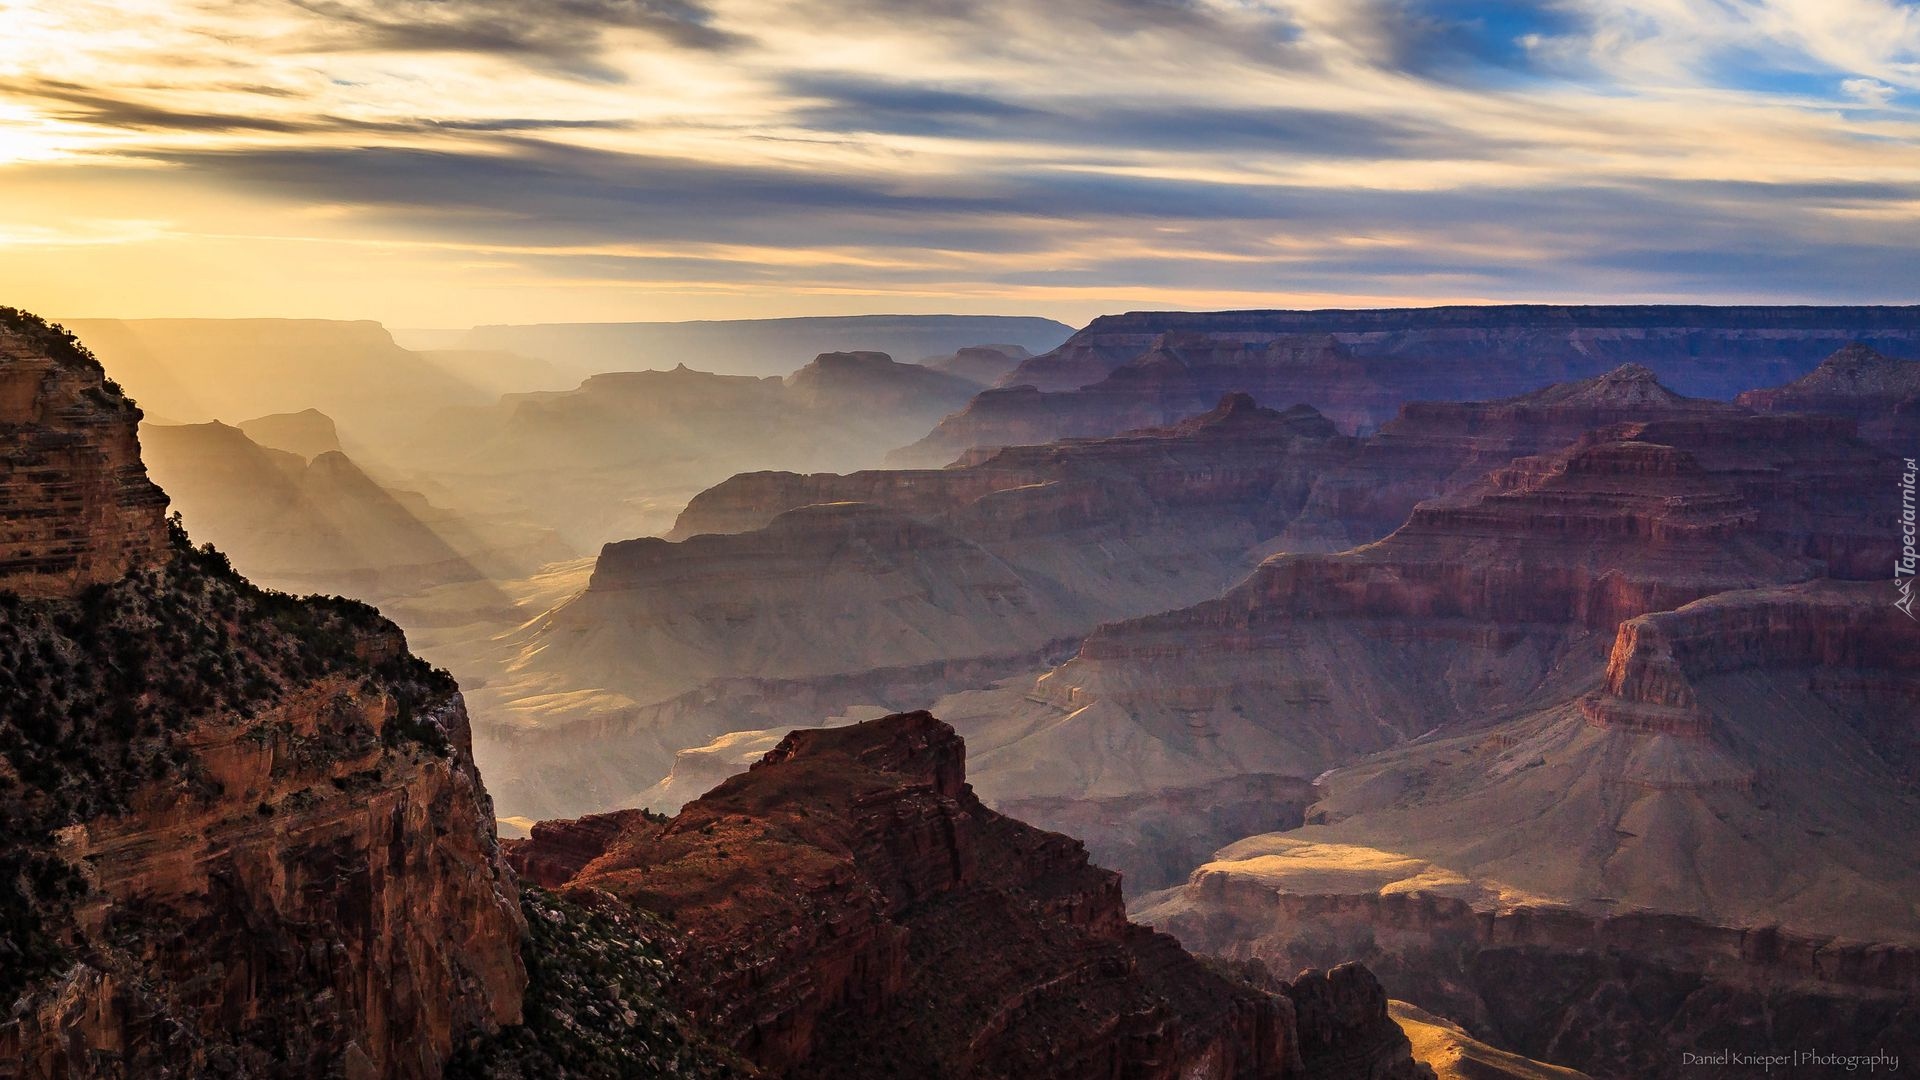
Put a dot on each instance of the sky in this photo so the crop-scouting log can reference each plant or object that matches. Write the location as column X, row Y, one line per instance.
column 444, row 163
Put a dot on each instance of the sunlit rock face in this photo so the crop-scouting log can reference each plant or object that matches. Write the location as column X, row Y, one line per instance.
column 1359, row 367
column 847, row 908
column 1881, row 394
column 240, row 833
column 76, row 507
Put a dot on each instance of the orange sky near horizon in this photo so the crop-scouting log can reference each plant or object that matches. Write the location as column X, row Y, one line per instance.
column 437, row 165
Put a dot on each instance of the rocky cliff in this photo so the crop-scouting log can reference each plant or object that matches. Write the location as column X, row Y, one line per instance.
column 324, row 524
column 76, row 507
column 785, row 576
column 1723, row 817
column 1880, row 393
column 847, row 907
column 1359, row 367
column 243, row 833
column 1489, row 604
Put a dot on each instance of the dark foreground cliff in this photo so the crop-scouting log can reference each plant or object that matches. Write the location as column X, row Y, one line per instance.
column 849, row 908
column 241, row 834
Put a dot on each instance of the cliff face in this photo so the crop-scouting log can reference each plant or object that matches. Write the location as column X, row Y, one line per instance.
column 1724, row 817
column 847, row 907
column 1880, row 393
column 1491, row 604
column 1360, row 366
column 324, row 525
column 76, row 507
column 240, row 834
column 784, row 576
column 1445, row 447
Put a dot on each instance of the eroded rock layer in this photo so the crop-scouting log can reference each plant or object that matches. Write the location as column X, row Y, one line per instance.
column 1359, row 367
column 847, row 907
column 76, row 507
column 1880, row 393
column 241, row 834
column 1710, row 845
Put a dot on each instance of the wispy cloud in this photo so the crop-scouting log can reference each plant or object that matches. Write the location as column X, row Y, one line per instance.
column 610, row 158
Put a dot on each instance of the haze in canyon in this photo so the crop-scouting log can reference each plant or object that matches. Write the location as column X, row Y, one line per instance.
column 1104, row 540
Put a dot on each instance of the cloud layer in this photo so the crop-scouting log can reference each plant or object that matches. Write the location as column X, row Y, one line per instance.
column 452, row 161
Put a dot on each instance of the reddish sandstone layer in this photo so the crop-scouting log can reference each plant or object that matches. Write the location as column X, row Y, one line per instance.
column 848, row 907
column 1880, row 393
column 76, row 507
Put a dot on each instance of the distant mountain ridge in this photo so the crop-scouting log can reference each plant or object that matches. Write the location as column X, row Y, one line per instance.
column 743, row 346
column 1359, row 366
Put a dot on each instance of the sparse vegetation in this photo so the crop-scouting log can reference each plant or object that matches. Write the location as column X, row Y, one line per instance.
column 95, row 691
column 598, row 1004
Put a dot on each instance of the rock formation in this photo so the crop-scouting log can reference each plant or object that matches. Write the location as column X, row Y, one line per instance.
column 848, row 908
column 872, row 383
column 308, row 433
column 324, row 525
column 240, row 834
column 1720, row 824
column 785, row 576
column 1359, row 367
column 1880, row 393
column 76, row 507
column 1489, row 604
column 620, row 454
column 982, row 364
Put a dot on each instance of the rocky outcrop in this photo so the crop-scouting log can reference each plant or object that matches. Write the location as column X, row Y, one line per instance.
column 1493, row 604
column 324, row 525
column 1880, row 393
column 982, row 364
column 1445, row 447
column 1720, row 826
column 308, row 433
column 241, row 834
column 1359, row 367
column 244, row 835
column 847, row 907
column 874, row 383
column 76, row 507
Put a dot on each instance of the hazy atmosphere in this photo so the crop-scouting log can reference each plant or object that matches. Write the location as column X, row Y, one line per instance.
column 430, row 163
column 959, row 539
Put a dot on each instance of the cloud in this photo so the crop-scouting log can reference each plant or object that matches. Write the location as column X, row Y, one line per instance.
column 1870, row 92
column 567, row 36
column 769, row 149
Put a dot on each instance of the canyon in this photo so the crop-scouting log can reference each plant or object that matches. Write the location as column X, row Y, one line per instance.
column 877, row 577
column 1359, row 367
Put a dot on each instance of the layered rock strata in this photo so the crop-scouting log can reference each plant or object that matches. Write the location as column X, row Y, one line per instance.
column 1719, row 825
column 241, row 834
column 1359, row 367
column 76, row 507
column 1880, row 393
column 847, row 907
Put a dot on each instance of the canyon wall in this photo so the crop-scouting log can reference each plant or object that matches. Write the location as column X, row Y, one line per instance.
column 848, row 907
column 1359, row 367
column 241, row 834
